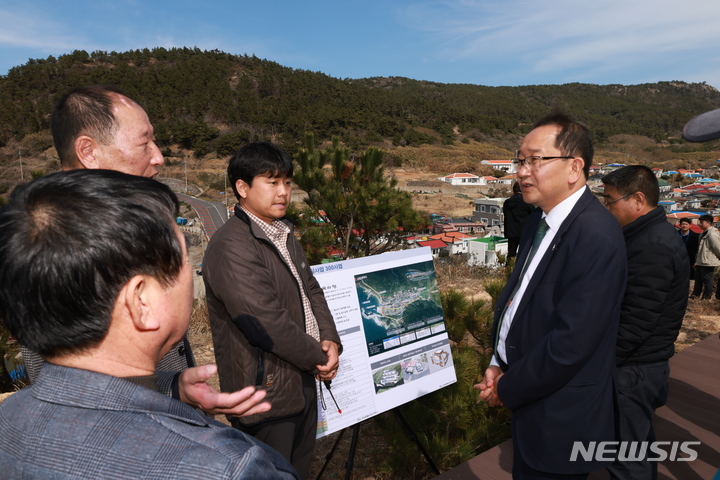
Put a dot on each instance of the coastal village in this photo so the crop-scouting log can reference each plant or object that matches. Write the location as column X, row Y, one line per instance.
column 479, row 235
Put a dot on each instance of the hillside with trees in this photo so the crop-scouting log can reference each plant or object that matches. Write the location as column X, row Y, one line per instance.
column 211, row 101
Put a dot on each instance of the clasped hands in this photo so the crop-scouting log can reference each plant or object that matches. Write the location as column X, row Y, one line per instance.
column 488, row 386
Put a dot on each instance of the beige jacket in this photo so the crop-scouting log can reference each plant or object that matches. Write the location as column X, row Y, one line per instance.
column 708, row 254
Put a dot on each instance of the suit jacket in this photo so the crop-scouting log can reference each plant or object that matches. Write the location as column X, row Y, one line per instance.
column 76, row 423
column 178, row 359
column 691, row 244
column 561, row 343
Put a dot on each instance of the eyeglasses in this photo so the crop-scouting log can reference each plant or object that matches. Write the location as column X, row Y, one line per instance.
column 607, row 204
column 532, row 160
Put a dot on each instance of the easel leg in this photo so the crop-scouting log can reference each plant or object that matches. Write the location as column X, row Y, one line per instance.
column 328, row 457
column 415, row 439
column 351, row 454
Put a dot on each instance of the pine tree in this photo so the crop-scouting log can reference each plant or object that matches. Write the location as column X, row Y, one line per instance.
column 368, row 213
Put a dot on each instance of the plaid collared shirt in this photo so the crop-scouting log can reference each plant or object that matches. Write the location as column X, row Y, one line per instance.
column 278, row 233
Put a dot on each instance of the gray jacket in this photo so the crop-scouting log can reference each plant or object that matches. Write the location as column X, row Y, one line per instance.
column 708, row 254
column 76, row 423
column 257, row 317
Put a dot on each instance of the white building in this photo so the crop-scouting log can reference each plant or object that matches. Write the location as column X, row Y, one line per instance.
column 485, row 251
column 462, row 179
column 504, row 165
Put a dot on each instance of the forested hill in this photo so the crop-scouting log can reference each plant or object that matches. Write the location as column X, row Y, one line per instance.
column 213, row 101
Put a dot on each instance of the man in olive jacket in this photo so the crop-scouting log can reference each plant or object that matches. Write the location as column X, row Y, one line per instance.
column 270, row 322
column 652, row 310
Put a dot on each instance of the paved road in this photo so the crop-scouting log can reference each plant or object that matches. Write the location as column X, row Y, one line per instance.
column 212, row 214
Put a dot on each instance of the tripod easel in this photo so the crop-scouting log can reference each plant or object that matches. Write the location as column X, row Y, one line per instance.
column 353, row 446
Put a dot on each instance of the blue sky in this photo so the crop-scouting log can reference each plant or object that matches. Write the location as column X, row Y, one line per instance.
column 500, row 42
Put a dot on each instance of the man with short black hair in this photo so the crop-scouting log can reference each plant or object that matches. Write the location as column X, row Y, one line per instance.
column 690, row 240
column 515, row 214
column 653, row 309
column 556, row 320
column 94, row 275
column 270, row 323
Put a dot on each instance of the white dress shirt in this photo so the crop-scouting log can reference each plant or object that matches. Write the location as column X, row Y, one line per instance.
column 554, row 219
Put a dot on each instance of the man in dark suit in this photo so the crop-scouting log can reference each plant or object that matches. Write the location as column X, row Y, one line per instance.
column 556, row 321
column 515, row 214
column 690, row 239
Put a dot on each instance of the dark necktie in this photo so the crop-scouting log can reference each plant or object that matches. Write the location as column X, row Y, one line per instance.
column 539, row 235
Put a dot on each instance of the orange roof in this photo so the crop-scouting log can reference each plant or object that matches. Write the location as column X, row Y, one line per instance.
column 458, row 235
column 433, row 244
column 450, row 237
column 461, row 175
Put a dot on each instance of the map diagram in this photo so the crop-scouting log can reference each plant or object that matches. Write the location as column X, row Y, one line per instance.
column 399, row 306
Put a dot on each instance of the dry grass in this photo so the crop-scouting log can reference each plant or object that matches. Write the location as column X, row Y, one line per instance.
column 460, row 157
column 452, row 205
column 702, row 319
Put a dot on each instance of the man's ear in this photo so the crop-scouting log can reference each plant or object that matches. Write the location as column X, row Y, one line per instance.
column 86, row 151
column 136, row 299
column 576, row 170
column 241, row 188
column 639, row 199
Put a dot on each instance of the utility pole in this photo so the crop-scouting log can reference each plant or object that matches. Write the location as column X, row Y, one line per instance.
column 22, row 177
column 185, row 167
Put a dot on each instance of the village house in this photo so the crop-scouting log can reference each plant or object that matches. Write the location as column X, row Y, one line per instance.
column 485, row 251
column 457, row 242
column 504, row 165
column 489, row 211
column 436, row 246
column 464, row 225
column 462, row 179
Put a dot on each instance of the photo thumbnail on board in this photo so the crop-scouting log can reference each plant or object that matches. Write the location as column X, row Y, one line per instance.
column 399, row 306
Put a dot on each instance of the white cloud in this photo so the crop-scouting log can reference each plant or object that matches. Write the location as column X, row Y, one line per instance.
column 565, row 35
column 30, row 30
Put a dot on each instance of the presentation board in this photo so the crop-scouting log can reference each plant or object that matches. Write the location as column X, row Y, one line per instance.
column 389, row 316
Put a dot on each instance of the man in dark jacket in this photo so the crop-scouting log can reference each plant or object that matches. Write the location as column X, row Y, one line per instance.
column 691, row 240
column 270, row 323
column 515, row 214
column 652, row 310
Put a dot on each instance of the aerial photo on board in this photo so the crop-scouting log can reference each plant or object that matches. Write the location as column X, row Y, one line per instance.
column 399, row 306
